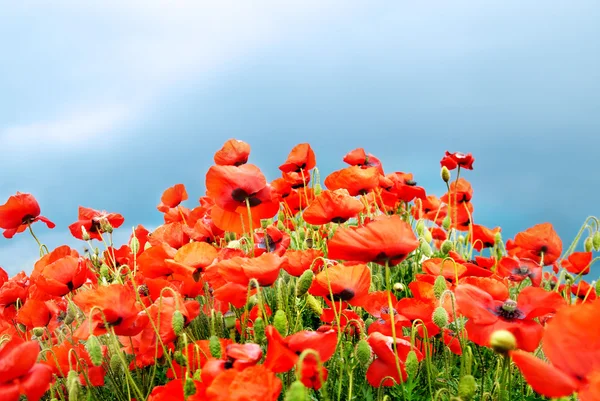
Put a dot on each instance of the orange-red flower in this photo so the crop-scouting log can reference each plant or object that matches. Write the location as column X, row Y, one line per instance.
column 484, row 237
column 301, row 158
column 94, row 222
column 332, row 207
column 63, row 271
column 518, row 269
column 386, row 240
column 383, row 371
column 358, row 157
column 356, row 180
column 347, row 283
column 18, row 212
column 539, row 243
column 572, row 347
column 233, row 153
column 578, row 262
column 457, row 159
column 172, row 197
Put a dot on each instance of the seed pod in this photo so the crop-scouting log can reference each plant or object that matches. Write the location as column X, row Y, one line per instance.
column 503, row 341
column 280, row 322
column 94, row 348
column 177, row 322
column 304, row 282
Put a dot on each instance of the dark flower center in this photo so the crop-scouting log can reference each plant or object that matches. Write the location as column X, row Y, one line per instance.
column 339, row 220
column 410, row 183
column 27, row 219
column 95, row 227
column 239, row 195
column 509, row 311
column 346, row 295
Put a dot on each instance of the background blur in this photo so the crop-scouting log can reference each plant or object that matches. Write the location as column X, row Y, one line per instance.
column 105, row 104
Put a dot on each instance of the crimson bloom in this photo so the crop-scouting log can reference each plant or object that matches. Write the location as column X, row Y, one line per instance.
column 457, row 159
column 358, row 157
column 539, row 243
column 489, row 308
column 172, row 197
column 19, row 212
column 347, row 283
column 384, row 368
column 301, row 158
column 95, row 223
column 572, row 347
column 332, row 207
column 387, row 239
column 233, row 153
column 356, row 180
column 484, row 237
column 578, row 263
column 63, row 272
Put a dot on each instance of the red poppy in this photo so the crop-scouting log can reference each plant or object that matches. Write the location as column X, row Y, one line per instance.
column 301, row 158
column 358, row 157
column 404, row 187
column 63, row 273
column 377, row 305
column 356, row 180
column 383, row 371
column 539, row 243
column 192, row 259
column 347, row 283
column 19, row 212
column 518, row 269
column 457, row 159
column 387, row 239
column 272, row 240
column 430, row 208
column 61, row 358
column 172, row 197
column 460, row 192
column 297, row 261
column 297, row 180
column 233, row 153
column 332, row 207
column 489, row 308
column 19, row 372
column 583, row 291
column 95, row 223
column 571, row 345
column 578, row 263
column 115, row 306
column 449, row 269
column 254, row 383
column 484, row 237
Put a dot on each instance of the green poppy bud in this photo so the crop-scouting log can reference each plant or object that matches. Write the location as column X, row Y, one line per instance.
column 94, row 349
column 189, row 388
column 596, row 240
column 229, row 318
column 280, row 322
column 296, row 392
column 420, row 227
column 134, row 245
column 115, row 363
column 445, row 174
column 503, row 341
column 440, row 317
column 73, row 384
column 214, row 345
column 363, row 352
column 177, row 322
column 439, row 286
column 426, row 249
column 412, row 364
column 447, row 246
column 588, row 244
column 427, row 235
column 314, row 305
column 38, row 331
column 259, row 330
column 466, row 387
column 446, row 223
column 304, row 282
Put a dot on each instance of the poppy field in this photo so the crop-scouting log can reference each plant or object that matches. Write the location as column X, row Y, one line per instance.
column 360, row 286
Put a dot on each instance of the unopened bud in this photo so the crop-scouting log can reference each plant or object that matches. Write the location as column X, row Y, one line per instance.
column 73, row 384
column 296, row 392
column 264, row 223
column 318, row 189
column 420, row 227
column 412, row 364
column 398, row 287
column 235, row 244
column 588, row 244
column 440, row 317
column 462, row 239
column 439, row 286
column 503, row 341
column 259, row 330
column 177, row 322
column 38, row 331
column 189, row 388
column 134, row 245
column 115, row 363
column 445, row 173
column 229, row 318
column 446, row 223
column 214, row 345
column 596, row 240
column 598, row 288
column 314, row 305
column 180, row 358
column 363, row 352
column 427, row 235
column 466, row 387
column 498, row 238
column 426, row 249
column 84, row 234
column 304, row 282
column 280, row 322
column 447, row 246
column 94, row 349
column 280, row 225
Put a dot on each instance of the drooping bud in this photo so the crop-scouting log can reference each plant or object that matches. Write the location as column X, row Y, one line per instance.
column 189, row 388
column 180, row 358
column 84, row 234
column 440, row 317
column 363, row 352
column 304, row 282
column 235, row 244
column 439, row 286
column 38, row 331
column 264, row 223
column 318, row 189
column 598, row 288
column 461, row 239
column 229, row 318
column 427, row 235
column 177, row 322
column 426, row 249
column 104, row 271
column 446, row 223
column 115, row 363
column 446, row 247
column 588, row 244
column 73, row 384
column 412, row 364
column 134, row 245
column 398, row 287
column 503, row 341
column 214, row 345
column 296, row 392
column 420, row 228
column 445, row 173
column 498, row 237
column 314, row 305
column 94, row 348
column 466, row 387
column 368, row 322
column 280, row 225
column 596, row 240
column 280, row 322
column 259, row 330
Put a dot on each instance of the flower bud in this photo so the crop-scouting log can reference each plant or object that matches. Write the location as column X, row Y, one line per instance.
column 38, row 331
column 598, row 288
column 318, row 189
column 134, row 245
column 296, row 392
column 498, row 237
column 440, row 317
column 314, row 305
column 461, row 239
column 180, row 358
column 280, row 322
column 363, row 352
column 189, row 388
column 420, row 227
column 259, row 330
column 447, row 246
column 73, row 384
column 281, row 293
column 94, row 349
column 596, row 240
column 426, row 249
column 177, row 322
column 446, row 223
column 229, row 318
column 214, row 345
column 427, row 235
column 115, row 363
column 264, row 223
column 304, row 282
column 503, row 341
column 398, row 287
column 412, row 364
column 588, row 244
column 466, row 387
column 439, row 286
column 280, row 225
column 445, row 174
column 235, row 244
column 84, row 234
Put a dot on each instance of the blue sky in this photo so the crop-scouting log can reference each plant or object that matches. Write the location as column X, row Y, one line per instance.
column 105, row 104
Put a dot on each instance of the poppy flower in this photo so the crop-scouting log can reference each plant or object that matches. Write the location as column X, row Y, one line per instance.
column 64, row 273
column 430, row 208
column 583, row 291
column 347, row 283
column 253, row 383
column 460, row 192
column 405, row 187
column 377, row 304
column 489, row 308
column 578, row 263
column 332, row 207
column 19, row 372
column 387, row 239
column 457, row 159
column 60, row 358
column 94, row 222
column 301, row 158
column 539, row 243
column 572, row 348
column 358, row 157
column 356, row 180
column 172, row 197
column 233, row 153
column 484, row 237
column 197, row 354
column 117, row 304
column 383, row 371
column 192, row 259
column 272, row 240
column 518, row 269
column 19, row 212
column 297, row 180
column 298, row 261
column 449, row 269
